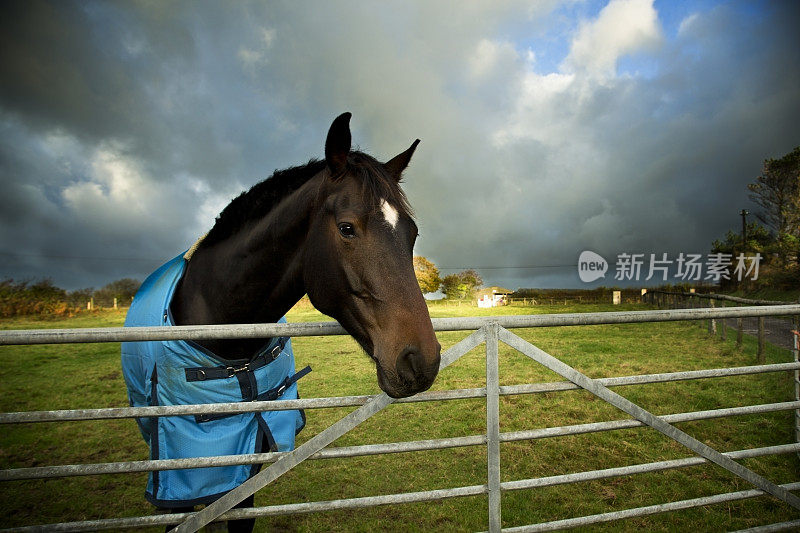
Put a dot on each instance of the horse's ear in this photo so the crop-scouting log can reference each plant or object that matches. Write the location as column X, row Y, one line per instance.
column 396, row 165
column 337, row 145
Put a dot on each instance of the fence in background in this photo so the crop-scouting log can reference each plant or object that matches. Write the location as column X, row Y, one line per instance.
column 780, row 333
column 488, row 330
column 571, row 299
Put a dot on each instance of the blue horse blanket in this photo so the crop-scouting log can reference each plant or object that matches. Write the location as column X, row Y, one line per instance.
column 183, row 372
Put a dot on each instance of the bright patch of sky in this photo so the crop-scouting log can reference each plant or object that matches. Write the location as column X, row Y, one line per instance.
column 546, row 43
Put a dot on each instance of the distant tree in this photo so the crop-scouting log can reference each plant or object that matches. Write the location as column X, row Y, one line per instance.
column 122, row 289
column 759, row 239
column 472, row 280
column 777, row 191
column 427, row 274
column 79, row 297
column 45, row 290
column 30, row 298
column 773, row 272
column 462, row 284
column 450, row 286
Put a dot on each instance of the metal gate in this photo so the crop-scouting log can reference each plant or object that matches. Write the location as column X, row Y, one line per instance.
column 489, row 330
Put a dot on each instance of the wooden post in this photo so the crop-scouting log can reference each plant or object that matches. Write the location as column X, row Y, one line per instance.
column 739, row 332
column 724, row 325
column 761, row 355
column 712, row 324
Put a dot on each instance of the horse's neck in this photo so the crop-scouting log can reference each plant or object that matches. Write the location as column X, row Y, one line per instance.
column 253, row 276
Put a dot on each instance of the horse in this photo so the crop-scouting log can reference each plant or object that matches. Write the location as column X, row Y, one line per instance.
column 340, row 230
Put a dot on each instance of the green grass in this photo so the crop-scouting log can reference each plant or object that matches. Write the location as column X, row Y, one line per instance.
column 79, row 376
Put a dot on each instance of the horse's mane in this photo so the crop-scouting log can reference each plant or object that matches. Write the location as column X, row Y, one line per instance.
column 263, row 196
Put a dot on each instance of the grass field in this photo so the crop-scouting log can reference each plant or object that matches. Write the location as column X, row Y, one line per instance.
column 80, row 376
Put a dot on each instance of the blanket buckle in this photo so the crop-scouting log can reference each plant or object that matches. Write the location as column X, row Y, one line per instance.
column 235, row 370
column 276, row 352
column 280, row 391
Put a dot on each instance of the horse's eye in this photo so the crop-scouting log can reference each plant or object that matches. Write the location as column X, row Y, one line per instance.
column 347, row 229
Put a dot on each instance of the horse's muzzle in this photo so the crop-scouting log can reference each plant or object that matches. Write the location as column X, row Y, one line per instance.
column 414, row 372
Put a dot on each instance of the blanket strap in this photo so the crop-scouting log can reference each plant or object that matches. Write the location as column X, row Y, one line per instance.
column 276, row 393
column 225, row 372
column 270, row 395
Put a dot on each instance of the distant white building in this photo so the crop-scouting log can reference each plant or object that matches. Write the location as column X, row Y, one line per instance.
column 493, row 297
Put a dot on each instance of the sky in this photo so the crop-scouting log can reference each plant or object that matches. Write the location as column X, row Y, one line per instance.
column 547, row 127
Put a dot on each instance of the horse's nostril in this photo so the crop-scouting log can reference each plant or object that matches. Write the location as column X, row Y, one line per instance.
column 408, row 364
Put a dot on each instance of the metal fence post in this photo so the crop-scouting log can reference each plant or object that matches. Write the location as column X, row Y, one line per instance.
column 761, row 356
column 493, row 426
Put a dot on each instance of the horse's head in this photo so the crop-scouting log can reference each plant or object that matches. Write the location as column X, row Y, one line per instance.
column 357, row 264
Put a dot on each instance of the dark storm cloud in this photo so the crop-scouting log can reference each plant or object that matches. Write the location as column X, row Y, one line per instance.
column 88, row 69
column 104, row 106
column 126, row 127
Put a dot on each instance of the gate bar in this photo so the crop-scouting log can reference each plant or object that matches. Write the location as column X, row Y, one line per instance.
column 648, row 418
column 641, row 468
column 372, row 501
column 305, row 329
column 646, row 511
column 792, row 525
column 40, row 472
column 112, row 413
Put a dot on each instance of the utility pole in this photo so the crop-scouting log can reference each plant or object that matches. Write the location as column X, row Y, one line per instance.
column 744, row 213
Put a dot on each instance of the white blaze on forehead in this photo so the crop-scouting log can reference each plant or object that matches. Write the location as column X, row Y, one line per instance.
column 389, row 213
